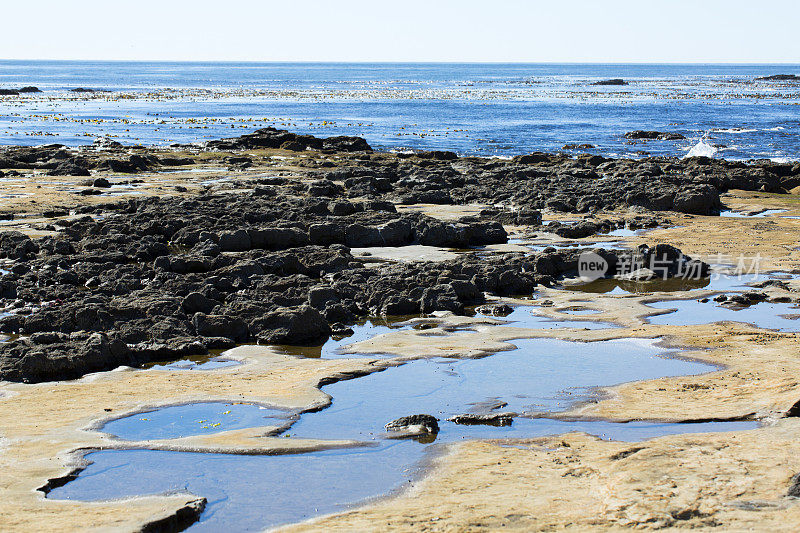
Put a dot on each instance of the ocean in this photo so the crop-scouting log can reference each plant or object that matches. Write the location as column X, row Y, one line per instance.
column 473, row 109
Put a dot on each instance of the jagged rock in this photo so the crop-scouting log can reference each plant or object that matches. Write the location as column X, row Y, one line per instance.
column 654, row 135
column 220, row 326
column 291, row 326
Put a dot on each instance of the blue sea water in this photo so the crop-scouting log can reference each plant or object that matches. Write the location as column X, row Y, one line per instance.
column 483, row 109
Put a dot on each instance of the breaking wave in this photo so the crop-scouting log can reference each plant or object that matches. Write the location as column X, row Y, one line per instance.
column 701, row 149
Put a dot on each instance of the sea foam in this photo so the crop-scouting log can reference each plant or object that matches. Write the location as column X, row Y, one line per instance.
column 702, row 148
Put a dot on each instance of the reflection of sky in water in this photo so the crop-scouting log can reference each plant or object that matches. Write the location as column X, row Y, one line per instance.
column 196, row 363
column 692, row 312
column 740, row 214
column 526, row 317
column 716, row 282
column 193, row 419
column 253, row 492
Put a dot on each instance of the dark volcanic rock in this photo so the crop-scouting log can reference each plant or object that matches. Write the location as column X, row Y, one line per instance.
column 703, row 200
column 220, row 326
column 579, row 230
column 16, row 245
column 169, row 276
column 461, row 235
column 303, row 325
column 495, row 310
column 135, row 163
column 54, row 356
column 274, row 138
column 69, row 168
column 780, row 77
column 415, row 424
column 614, row 81
column 654, row 135
column 488, row 419
column 235, row 241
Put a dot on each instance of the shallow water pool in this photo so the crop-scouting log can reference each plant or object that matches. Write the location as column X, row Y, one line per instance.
column 249, row 493
column 693, row 312
column 194, row 419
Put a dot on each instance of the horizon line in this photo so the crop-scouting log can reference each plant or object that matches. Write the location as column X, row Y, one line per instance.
column 405, row 62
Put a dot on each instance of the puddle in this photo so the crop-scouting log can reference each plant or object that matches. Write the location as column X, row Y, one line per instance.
column 124, row 193
column 617, row 286
column 194, row 419
column 579, row 311
column 332, row 348
column 717, row 282
column 540, row 375
column 193, row 170
column 693, row 312
column 626, row 232
column 537, row 247
column 526, row 317
column 255, row 492
column 195, row 362
column 247, row 493
column 216, row 181
column 729, row 213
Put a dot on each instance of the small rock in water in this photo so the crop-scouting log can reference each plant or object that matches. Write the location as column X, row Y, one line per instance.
column 495, row 310
column 340, row 330
column 654, row 135
column 414, row 425
column 490, row 419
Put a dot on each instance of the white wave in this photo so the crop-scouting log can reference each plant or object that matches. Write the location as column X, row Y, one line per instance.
column 701, row 149
column 734, row 130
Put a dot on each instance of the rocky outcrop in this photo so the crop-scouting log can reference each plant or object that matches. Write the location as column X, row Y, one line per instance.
column 274, row 138
column 613, row 81
column 165, row 277
column 654, row 135
column 780, row 77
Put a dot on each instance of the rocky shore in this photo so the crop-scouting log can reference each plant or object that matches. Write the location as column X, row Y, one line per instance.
column 159, row 278
column 162, row 278
column 273, row 238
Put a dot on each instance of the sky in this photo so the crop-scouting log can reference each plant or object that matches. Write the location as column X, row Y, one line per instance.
column 645, row 31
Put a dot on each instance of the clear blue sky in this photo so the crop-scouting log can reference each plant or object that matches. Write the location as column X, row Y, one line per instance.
column 736, row 31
